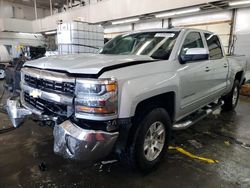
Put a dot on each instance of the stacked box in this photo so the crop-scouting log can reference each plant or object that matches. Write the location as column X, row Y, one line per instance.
column 79, row 37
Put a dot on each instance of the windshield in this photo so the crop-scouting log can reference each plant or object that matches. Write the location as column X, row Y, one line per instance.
column 158, row 45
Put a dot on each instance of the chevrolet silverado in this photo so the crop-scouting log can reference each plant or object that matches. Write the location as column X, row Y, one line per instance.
column 130, row 96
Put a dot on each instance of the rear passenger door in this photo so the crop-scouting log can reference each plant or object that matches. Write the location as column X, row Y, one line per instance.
column 217, row 65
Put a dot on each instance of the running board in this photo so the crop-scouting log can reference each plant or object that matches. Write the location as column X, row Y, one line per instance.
column 197, row 116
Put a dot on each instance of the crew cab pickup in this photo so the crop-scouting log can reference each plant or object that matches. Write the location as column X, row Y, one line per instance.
column 127, row 98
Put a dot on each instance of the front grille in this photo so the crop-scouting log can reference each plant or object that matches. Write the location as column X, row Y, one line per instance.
column 46, row 107
column 50, row 85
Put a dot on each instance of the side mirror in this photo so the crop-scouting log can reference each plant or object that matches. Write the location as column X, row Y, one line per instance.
column 194, row 54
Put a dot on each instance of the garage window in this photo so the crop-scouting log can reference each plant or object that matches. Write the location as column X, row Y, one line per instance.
column 214, row 46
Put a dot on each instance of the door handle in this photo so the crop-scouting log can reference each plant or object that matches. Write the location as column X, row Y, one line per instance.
column 225, row 65
column 207, row 69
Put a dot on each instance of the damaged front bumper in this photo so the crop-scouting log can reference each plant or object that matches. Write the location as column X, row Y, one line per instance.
column 16, row 112
column 70, row 140
column 74, row 142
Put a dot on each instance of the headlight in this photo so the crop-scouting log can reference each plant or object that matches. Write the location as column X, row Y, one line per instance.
column 96, row 98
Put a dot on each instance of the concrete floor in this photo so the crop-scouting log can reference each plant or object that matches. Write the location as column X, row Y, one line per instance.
column 23, row 149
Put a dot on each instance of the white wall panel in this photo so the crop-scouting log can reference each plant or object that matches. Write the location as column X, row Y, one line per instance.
column 6, row 10
column 118, row 28
column 243, row 21
column 115, row 9
column 148, row 25
column 220, row 28
column 14, row 10
column 242, row 34
column 204, row 18
column 16, row 25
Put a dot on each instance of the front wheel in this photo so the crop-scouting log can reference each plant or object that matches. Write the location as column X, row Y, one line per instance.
column 151, row 140
column 2, row 74
column 232, row 98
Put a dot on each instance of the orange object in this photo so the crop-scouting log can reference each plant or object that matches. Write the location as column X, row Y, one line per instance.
column 91, row 109
column 245, row 90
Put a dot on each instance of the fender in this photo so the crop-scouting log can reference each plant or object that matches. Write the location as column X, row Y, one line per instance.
column 137, row 90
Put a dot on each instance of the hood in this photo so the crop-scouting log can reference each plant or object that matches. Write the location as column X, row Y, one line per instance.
column 84, row 63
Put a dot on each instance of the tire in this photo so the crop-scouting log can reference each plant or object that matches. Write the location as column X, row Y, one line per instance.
column 138, row 157
column 232, row 98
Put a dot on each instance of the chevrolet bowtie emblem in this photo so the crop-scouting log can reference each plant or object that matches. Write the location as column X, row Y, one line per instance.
column 35, row 93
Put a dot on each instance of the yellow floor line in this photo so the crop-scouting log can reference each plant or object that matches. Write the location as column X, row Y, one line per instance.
column 181, row 150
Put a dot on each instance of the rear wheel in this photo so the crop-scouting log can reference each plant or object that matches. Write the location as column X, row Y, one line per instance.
column 150, row 141
column 232, row 98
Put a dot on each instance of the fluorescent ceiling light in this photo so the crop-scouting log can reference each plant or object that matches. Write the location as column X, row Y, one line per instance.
column 125, row 21
column 22, row 33
column 178, row 12
column 50, row 32
column 29, row 34
column 235, row 3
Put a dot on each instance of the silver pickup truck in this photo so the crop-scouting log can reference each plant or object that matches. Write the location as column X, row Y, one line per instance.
column 127, row 98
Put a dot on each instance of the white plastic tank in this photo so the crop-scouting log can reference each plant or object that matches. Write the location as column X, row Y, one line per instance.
column 4, row 60
column 4, row 55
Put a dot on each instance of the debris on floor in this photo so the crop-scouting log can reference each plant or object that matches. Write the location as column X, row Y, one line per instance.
column 105, row 165
column 42, row 166
column 233, row 140
column 195, row 143
column 227, row 143
column 108, row 162
column 183, row 151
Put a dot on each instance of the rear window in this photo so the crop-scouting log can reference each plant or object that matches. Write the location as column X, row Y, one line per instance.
column 214, row 46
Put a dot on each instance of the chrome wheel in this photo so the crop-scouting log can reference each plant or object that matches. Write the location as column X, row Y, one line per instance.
column 2, row 74
column 235, row 96
column 154, row 141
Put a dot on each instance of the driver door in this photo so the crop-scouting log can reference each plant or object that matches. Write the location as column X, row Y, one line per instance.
column 193, row 76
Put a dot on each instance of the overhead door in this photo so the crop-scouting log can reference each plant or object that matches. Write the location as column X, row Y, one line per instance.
column 219, row 23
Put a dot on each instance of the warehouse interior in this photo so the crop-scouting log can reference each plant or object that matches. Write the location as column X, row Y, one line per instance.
column 213, row 152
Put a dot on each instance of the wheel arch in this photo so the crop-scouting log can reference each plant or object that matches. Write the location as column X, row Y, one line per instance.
column 165, row 100
column 239, row 77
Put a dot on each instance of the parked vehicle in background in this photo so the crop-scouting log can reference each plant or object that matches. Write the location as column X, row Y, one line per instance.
column 129, row 97
column 4, row 60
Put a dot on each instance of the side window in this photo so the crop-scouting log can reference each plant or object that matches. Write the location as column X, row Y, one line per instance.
column 214, row 46
column 192, row 40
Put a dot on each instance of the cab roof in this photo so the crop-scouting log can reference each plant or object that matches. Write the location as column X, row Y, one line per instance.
column 174, row 29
